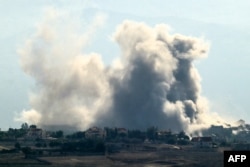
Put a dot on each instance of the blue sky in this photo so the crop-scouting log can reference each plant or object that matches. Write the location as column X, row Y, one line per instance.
column 224, row 23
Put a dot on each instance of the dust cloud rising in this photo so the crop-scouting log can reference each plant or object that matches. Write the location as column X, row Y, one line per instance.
column 153, row 83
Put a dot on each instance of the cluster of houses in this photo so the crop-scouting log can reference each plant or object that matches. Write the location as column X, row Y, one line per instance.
column 95, row 132
column 215, row 134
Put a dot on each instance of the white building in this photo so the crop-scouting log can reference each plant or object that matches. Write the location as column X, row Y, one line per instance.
column 35, row 133
column 95, row 133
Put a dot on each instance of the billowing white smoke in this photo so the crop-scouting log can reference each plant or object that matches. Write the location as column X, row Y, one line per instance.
column 70, row 86
column 153, row 83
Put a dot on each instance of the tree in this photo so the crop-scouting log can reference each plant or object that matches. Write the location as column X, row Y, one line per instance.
column 182, row 135
column 11, row 133
column 172, row 140
column 25, row 126
column 100, row 146
column 152, row 133
column 57, row 134
column 33, row 126
column 17, row 146
column 26, row 151
column 111, row 133
column 76, row 135
column 38, row 145
column 54, row 144
column 136, row 134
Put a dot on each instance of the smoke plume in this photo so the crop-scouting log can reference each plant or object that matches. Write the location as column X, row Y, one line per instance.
column 153, row 83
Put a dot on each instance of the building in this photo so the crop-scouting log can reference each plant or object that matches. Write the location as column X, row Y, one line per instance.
column 35, row 133
column 95, row 133
column 202, row 141
column 164, row 134
column 219, row 131
column 122, row 131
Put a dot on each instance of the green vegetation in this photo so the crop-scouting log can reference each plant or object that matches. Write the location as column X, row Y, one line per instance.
column 29, row 141
column 30, row 144
column 57, row 134
column 76, row 135
column 17, row 146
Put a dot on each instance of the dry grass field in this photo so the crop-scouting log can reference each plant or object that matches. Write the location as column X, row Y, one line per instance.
column 185, row 157
column 18, row 160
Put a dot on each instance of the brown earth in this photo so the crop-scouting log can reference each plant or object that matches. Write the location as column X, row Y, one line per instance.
column 184, row 157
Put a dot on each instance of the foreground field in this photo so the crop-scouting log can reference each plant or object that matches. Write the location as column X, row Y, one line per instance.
column 18, row 160
column 143, row 159
column 174, row 158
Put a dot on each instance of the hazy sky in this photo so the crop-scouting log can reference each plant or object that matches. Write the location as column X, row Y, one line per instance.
column 224, row 23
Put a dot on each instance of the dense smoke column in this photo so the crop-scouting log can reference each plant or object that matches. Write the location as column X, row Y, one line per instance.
column 157, row 69
column 186, row 87
column 183, row 88
column 152, row 83
column 136, row 101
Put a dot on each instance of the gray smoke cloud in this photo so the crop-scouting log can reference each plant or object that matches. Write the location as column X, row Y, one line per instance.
column 153, row 83
column 157, row 84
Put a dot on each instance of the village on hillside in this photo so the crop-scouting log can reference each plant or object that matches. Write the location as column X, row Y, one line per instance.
column 33, row 143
